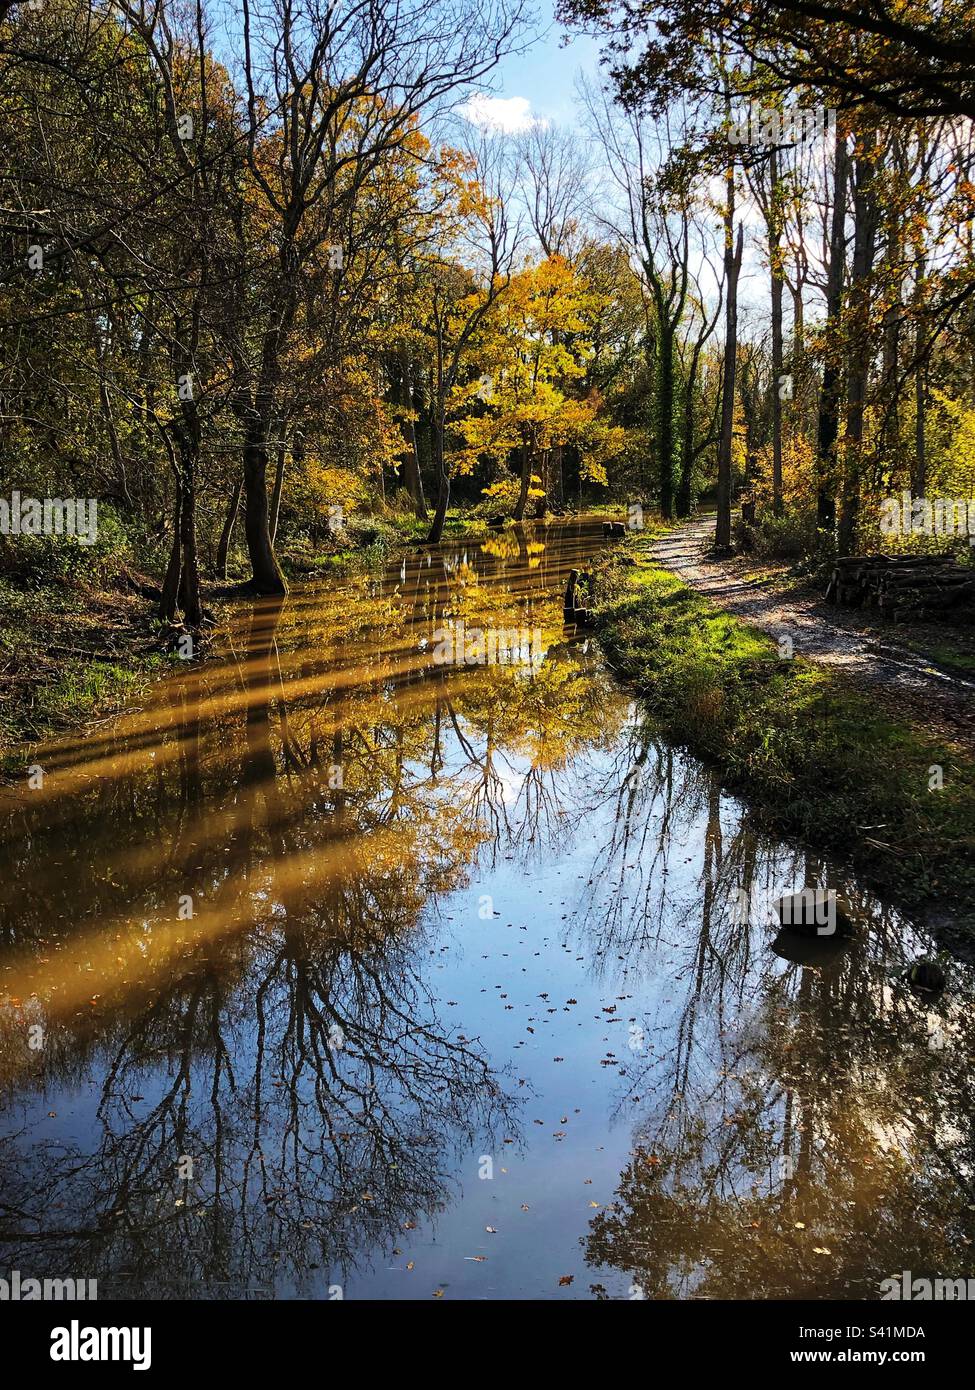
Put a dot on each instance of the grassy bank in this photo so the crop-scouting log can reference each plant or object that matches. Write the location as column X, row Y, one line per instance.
column 818, row 755
column 69, row 653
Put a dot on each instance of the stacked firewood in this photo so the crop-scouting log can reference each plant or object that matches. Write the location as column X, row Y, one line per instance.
column 903, row 587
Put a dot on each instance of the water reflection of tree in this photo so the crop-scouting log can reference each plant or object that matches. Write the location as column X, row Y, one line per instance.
column 799, row 1134
column 283, row 1039
column 320, row 1099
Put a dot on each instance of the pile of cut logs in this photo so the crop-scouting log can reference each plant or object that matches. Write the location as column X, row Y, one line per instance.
column 903, row 587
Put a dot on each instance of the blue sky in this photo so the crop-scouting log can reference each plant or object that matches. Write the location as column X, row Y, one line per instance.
column 545, row 75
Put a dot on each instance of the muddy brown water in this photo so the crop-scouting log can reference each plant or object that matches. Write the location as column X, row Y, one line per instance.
column 340, row 969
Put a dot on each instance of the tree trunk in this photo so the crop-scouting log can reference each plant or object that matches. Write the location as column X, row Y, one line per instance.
column 223, row 549
column 732, row 259
column 919, row 480
column 684, row 486
column 778, row 285
column 278, row 486
column 864, row 249
column 665, row 419
column 267, row 576
column 829, row 400
column 442, row 474
column 919, row 473
column 890, row 369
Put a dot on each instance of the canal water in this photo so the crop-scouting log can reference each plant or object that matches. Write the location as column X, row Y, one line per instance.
column 338, row 968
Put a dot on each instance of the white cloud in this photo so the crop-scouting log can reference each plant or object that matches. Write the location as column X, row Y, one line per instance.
column 500, row 115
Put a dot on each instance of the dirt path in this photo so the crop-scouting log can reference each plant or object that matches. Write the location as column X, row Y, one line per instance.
column 820, row 632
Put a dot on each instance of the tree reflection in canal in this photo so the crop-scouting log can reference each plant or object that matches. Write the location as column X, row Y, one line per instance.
column 805, row 1119
column 290, row 951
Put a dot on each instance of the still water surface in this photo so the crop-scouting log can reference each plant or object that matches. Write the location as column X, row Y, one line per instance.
column 466, row 1007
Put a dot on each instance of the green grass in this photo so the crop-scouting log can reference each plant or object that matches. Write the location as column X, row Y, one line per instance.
column 946, row 655
column 83, row 689
column 820, row 756
column 413, row 530
column 55, row 671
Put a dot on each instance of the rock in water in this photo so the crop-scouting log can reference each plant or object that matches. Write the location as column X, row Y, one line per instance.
column 813, row 912
column 927, row 976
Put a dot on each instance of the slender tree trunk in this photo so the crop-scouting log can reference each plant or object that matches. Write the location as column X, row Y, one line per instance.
column 777, row 286
column 864, row 250
column 684, row 486
column 890, row 368
column 223, row 549
column 919, row 473
column 829, row 400
column 278, row 486
column 733, row 254
column 665, row 419
column 442, row 474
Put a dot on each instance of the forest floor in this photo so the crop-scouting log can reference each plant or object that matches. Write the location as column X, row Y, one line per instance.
column 926, row 670
column 69, row 653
